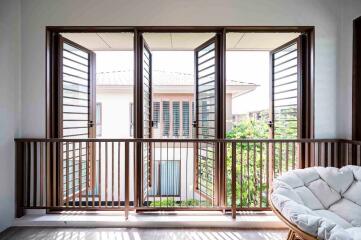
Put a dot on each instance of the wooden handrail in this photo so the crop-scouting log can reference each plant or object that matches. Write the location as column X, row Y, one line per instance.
column 162, row 140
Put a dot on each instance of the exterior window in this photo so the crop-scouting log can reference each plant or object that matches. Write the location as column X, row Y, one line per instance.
column 167, row 173
column 98, row 114
column 131, row 120
column 185, row 119
column 166, row 118
column 176, row 119
column 156, row 113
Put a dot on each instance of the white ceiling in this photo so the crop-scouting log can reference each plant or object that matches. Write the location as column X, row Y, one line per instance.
column 258, row 41
column 179, row 41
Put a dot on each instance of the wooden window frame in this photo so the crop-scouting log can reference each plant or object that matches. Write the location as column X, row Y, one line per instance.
column 52, row 70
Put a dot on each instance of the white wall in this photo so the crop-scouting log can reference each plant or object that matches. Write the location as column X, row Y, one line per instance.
column 344, row 101
column 9, row 104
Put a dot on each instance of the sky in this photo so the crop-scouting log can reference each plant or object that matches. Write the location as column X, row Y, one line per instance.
column 245, row 66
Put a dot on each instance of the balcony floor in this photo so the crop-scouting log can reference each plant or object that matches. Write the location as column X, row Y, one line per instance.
column 201, row 219
column 27, row 233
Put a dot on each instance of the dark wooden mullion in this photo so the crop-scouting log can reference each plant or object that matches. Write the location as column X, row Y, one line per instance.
column 356, row 86
column 356, row 80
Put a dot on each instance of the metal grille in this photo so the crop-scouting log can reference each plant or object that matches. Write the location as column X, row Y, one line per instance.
column 285, row 91
column 205, row 118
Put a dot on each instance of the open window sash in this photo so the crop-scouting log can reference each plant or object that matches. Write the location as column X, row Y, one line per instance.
column 206, row 78
column 146, row 75
column 76, row 112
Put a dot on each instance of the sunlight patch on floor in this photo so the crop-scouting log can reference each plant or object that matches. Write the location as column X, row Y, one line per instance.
column 27, row 233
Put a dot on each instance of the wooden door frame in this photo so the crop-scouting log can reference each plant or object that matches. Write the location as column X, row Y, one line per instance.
column 356, row 80
column 52, row 71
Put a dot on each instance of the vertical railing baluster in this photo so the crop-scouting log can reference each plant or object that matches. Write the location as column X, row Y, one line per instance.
column 119, row 188
column 126, row 178
column 159, row 175
column 41, row 175
column 80, row 175
column 167, row 176
column 112, row 174
column 267, row 172
column 180, row 172
column 280, row 159
column 100, row 175
column 106, row 174
column 28, row 177
column 261, row 175
column 20, row 182
column 47, row 169
column 233, row 179
column 93, row 170
column 173, row 163
column 87, row 175
column 248, row 177
column 306, row 147
column 35, row 177
column 154, row 178
column 241, row 172
column 73, row 164
column 329, row 158
column 254, row 172
column 148, row 170
column 67, row 174
column 57, row 150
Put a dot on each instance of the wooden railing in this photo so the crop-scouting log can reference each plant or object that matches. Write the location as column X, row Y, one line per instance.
column 103, row 174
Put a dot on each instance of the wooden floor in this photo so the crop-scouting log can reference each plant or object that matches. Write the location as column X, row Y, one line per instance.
column 35, row 233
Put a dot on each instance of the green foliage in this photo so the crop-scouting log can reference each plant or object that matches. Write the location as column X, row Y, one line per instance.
column 251, row 160
column 249, row 129
column 170, row 202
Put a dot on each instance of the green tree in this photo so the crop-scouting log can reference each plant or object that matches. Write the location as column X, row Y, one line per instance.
column 251, row 158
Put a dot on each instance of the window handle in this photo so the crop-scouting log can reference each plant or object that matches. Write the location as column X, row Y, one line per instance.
column 91, row 124
column 270, row 123
column 194, row 124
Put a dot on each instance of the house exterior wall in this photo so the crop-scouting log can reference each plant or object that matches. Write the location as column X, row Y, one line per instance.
column 115, row 114
column 116, row 124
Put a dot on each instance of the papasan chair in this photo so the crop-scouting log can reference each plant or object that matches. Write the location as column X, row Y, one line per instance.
column 319, row 202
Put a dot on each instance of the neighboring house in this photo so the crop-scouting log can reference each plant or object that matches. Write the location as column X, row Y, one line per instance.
column 172, row 108
column 172, row 115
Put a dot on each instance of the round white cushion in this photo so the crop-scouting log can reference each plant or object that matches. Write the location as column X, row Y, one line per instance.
column 324, row 202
